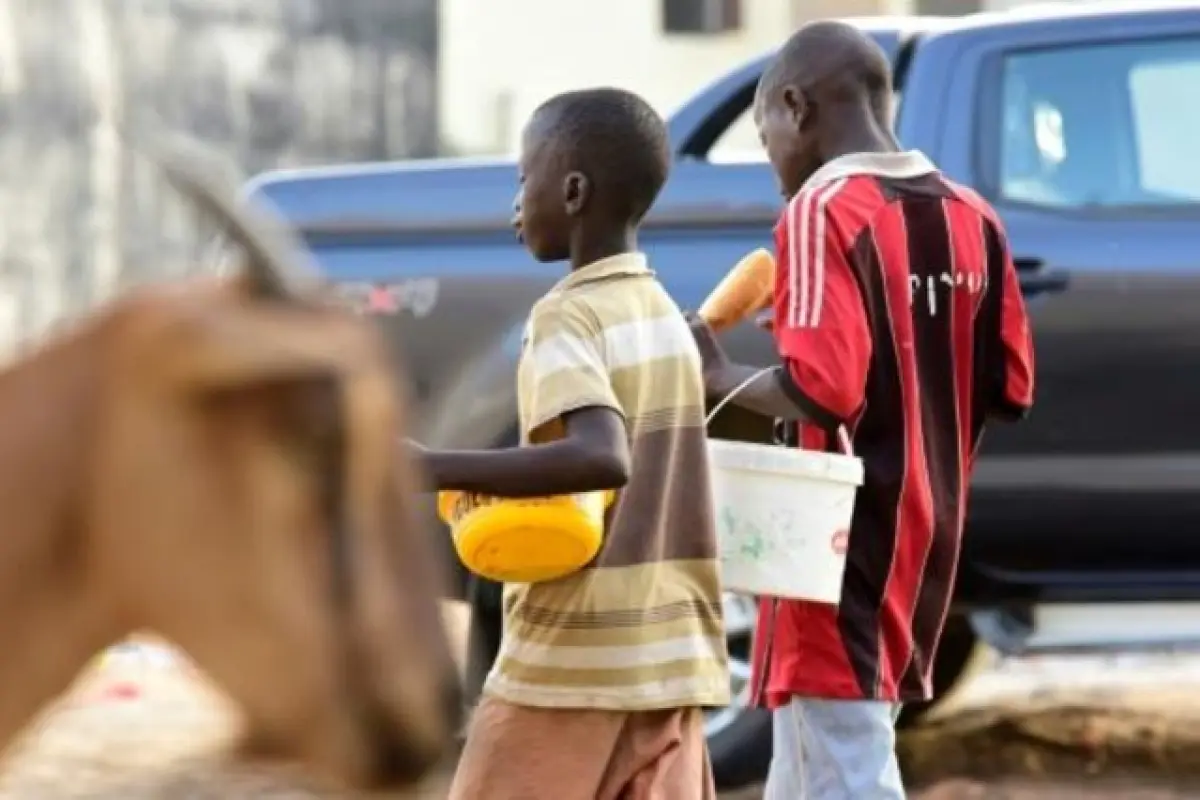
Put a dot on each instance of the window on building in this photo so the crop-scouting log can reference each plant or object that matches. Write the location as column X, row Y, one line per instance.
column 948, row 8
column 701, row 16
column 1101, row 126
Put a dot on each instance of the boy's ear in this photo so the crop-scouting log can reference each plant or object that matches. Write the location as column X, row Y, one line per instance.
column 798, row 104
column 577, row 189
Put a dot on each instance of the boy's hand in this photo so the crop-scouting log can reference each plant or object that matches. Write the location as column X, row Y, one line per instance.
column 424, row 459
column 713, row 359
column 415, row 451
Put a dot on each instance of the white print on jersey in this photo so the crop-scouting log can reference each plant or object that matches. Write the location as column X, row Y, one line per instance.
column 973, row 283
column 934, row 286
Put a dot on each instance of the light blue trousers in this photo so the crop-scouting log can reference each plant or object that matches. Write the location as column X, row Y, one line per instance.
column 835, row 750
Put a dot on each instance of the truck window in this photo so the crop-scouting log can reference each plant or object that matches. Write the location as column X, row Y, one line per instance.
column 1100, row 126
column 739, row 143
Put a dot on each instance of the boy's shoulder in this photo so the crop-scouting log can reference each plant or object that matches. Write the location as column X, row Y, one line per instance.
column 561, row 318
column 559, row 309
column 619, row 313
column 554, row 301
column 594, row 306
column 840, row 207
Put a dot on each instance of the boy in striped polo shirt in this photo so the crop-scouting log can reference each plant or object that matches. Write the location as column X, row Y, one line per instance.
column 602, row 677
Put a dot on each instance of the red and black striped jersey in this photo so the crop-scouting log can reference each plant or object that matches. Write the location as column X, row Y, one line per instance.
column 898, row 314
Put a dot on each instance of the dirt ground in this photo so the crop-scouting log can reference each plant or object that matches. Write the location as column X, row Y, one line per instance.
column 166, row 743
column 1062, row 746
column 1065, row 744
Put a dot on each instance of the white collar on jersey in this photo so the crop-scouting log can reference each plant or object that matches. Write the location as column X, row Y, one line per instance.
column 909, row 164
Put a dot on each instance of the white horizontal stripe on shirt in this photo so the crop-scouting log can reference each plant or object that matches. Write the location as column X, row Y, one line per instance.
column 626, row 344
column 611, row 656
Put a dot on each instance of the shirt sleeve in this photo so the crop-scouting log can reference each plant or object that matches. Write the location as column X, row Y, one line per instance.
column 566, row 367
column 821, row 327
column 1008, row 382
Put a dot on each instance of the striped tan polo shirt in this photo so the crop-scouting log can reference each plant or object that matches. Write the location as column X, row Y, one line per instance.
column 640, row 627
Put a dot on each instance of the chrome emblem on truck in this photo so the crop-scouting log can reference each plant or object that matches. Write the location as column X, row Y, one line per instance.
column 416, row 296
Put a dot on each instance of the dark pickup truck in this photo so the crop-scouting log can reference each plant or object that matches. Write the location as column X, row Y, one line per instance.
column 1079, row 125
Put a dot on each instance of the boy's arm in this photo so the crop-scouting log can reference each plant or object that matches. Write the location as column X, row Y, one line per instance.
column 594, row 454
column 820, row 328
column 765, row 394
column 572, row 415
column 1010, row 378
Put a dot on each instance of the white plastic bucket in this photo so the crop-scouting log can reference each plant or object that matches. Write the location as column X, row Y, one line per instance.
column 783, row 516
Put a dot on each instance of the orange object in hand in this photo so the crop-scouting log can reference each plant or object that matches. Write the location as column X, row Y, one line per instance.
column 747, row 288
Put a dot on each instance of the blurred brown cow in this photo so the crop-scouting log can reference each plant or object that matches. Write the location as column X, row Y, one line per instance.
column 216, row 461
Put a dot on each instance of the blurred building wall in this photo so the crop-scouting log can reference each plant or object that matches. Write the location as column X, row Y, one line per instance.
column 499, row 60
column 268, row 82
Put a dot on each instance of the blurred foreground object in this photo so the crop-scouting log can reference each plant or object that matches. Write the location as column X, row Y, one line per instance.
column 213, row 460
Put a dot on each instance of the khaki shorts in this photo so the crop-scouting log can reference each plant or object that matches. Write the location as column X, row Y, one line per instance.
column 521, row 753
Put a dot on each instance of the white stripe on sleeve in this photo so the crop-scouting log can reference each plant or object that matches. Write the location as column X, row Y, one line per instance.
column 563, row 351
column 822, row 246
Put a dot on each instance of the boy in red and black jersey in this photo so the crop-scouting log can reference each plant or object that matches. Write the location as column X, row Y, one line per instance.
column 898, row 316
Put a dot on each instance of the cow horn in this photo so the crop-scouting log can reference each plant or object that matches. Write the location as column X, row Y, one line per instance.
column 276, row 263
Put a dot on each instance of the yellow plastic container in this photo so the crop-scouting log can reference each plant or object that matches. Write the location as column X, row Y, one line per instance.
column 525, row 540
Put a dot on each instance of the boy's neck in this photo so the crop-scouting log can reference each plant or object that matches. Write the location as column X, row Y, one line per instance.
column 590, row 247
column 863, row 142
column 857, row 131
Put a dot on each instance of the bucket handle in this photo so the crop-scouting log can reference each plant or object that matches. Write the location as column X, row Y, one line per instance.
column 842, row 434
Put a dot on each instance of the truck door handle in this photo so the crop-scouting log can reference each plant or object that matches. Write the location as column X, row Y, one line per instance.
column 1035, row 278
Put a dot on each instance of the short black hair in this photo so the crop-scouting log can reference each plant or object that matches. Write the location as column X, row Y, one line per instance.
column 835, row 55
column 616, row 139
